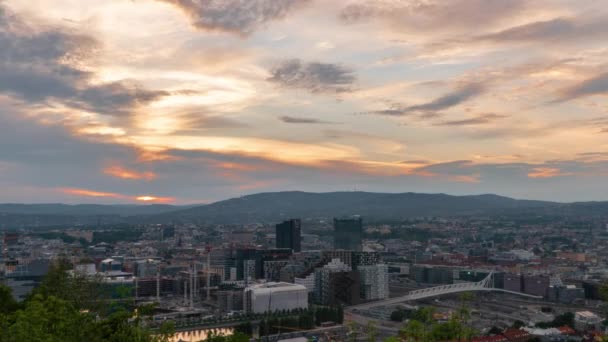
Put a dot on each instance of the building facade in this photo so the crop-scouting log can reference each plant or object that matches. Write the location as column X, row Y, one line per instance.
column 271, row 297
column 348, row 233
column 289, row 235
column 374, row 282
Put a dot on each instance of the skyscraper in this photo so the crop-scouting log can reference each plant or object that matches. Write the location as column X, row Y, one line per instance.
column 288, row 235
column 348, row 233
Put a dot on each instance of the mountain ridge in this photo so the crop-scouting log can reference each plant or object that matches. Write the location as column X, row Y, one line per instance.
column 277, row 206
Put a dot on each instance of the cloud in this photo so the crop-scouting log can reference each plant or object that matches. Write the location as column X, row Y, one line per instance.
column 546, row 172
column 593, row 86
column 314, row 77
column 477, row 120
column 433, row 15
column 450, row 100
column 300, row 120
column 102, row 194
column 554, row 30
column 43, row 64
column 428, row 110
column 154, row 199
column 91, row 193
column 236, row 16
column 124, row 173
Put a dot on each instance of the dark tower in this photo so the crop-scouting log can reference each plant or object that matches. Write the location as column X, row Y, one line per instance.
column 348, row 233
column 289, row 235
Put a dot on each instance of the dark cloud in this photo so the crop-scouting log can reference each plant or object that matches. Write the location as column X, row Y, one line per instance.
column 450, row 100
column 300, row 120
column 594, row 86
column 435, row 15
column 554, row 30
column 43, row 65
column 314, row 77
column 236, row 16
column 200, row 121
column 478, row 120
column 429, row 110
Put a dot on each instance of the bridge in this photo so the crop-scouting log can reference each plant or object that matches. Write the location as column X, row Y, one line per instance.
column 486, row 284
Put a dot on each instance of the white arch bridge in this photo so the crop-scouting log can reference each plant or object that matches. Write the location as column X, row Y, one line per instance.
column 486, row 284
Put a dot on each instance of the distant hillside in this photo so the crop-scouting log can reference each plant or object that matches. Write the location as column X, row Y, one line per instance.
column 85, row 209
column 269, row 207
column 57, row 215
column 276, row 206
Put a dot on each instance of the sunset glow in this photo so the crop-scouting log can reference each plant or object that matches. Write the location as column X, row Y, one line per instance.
column 180, row 102
column 120, row 172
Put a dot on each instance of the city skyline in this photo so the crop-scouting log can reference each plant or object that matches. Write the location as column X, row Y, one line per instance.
column 183, row 102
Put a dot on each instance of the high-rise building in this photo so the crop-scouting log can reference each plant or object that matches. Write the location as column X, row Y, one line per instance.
column 289, row 235
column 336, row 284
column 374, row 282
column 348, row 233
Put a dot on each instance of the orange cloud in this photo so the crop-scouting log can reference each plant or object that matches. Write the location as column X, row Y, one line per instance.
column 155, row 199
column 90, row 193
column 465, row 178
column 545, row 172
column 121, row 172
column 235, row 166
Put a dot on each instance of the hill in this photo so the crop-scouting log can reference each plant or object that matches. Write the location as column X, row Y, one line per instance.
column 275, row 206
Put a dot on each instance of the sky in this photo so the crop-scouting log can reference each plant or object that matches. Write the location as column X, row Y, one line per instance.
column 194, row 101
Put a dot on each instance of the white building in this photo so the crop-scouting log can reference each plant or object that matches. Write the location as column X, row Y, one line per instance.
column 587, row 320
column 374, row 282
column 271, row 297
column 308, row 282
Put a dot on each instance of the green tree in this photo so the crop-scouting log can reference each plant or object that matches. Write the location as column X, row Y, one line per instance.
column 414, row 331
column 236, row 337
column 7, row 301
column 372, row 331
column 66, row 308
column 49, row 319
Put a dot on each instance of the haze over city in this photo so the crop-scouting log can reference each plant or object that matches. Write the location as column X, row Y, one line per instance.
column 196, row 101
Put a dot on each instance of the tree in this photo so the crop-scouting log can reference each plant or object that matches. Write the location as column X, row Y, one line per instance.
column 414, row 331
column 353, row 332
column 236, row 337
column 67, row 308
column 518, row 324
column 494, row 331
column 7, row 302
column 372, row 331
column 49, row 319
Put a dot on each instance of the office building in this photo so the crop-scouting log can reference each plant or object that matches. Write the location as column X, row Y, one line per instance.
column 336, row 284
column 374, row 282
column 146, row 268
column 271, row 297
column 348, row 233
column 230, row 300
column 289, row 235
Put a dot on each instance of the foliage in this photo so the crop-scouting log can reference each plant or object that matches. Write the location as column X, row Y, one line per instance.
column 559, row 321
column 7, row 302
column 400, row 315
column 56, row 235
column 422, row 328
column 372, row 332
column 73, row 308
column 518, row 324
column 494, row 331
column 236, row 337
column 117, row 235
